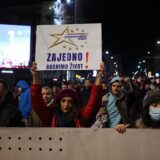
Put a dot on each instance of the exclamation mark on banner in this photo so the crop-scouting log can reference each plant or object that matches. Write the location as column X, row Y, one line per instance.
column 87, row 55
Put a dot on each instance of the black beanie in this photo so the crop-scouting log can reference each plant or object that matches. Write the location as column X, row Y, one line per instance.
column 152, row 97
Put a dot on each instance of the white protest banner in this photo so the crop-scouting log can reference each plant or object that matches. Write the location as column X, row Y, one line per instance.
column 68, row 47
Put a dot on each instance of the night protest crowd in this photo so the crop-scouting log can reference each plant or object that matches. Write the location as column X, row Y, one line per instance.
column 118, row 102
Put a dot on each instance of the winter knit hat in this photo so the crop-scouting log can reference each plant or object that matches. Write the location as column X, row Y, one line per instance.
column 67, row 93
column 152, row 97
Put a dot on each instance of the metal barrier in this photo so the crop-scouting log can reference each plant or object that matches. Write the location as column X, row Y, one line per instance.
column 78, row 144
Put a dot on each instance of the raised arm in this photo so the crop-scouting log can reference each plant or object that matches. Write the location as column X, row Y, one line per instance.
column 94, row 102
column 35, row 74
column 45, row 113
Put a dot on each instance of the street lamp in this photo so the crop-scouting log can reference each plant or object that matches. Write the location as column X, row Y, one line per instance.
column 158, row 42
column 148, row 52
column 144, row 61
column 107, row 52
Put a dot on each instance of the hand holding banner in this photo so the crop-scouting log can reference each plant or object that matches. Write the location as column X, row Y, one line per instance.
column 69, row 47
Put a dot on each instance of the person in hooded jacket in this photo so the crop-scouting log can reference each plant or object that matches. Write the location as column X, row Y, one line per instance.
column 10, row 116
column 24, row 99
column 67, row 112
column 119, row 106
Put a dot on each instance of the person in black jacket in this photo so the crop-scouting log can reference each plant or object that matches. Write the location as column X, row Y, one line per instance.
column 10, row 116
column 85, row 92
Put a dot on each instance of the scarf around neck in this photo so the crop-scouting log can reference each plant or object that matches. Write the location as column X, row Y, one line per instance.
column 63, row 120
column 113, row 113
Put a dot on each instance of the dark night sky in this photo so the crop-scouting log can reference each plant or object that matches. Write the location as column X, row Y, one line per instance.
column 128, row 28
